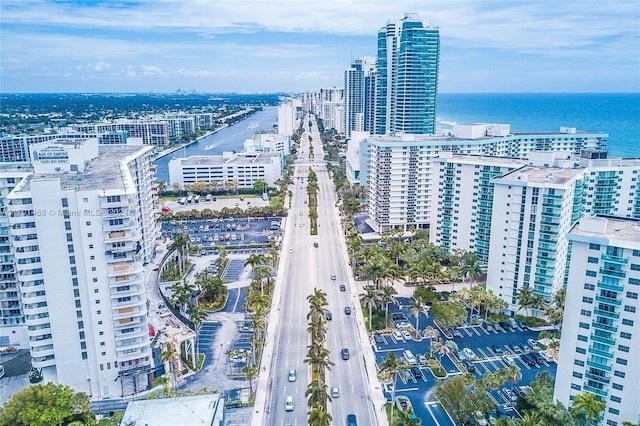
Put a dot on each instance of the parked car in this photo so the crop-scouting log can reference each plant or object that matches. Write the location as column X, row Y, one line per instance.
column 417, row 373
column 468, row 365
column 422, row 360
column 397, row 335
column 406, row 335
column 377, row 338
column 409, row 357
column 468, row 353
column 487, row 326
column 528, row 360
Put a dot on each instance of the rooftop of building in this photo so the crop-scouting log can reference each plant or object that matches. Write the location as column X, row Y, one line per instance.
column 194, row 410
column 619, row 228
column 236, row 159
column 479, row 159
column 103, row 172
column 545, row 175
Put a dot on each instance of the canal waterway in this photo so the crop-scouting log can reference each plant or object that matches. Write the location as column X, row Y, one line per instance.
column 228, row 139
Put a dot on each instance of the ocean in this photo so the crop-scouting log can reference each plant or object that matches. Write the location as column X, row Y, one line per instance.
column 617, row 114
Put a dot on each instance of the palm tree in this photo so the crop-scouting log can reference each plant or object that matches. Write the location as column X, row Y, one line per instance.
column 469, row 267
column 370, row 300
column 181, row 243
column 587, row 408
column 416, row 307
column 390, row 366
column 250, row 372
column 168, row 357
column 318, row 359
column 525, row 299
column 317, row 395
column 431, row 333
column 387, row 293
column 319, row 417
column 531, row 418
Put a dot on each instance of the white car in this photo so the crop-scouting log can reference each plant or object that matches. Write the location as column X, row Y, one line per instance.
column 397, row 335
column 406, row 335
column 292, row 375
column 288, row 403
column 335, row 392
column 468, row 353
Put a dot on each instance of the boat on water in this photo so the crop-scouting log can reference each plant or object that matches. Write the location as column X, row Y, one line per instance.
column 403, row 404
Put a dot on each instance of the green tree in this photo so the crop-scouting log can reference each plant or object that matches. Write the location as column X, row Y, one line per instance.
column 370, row 299
column 461, row 399
column 317, row 395
column 416, row 307
column 387, row 293
column 586, row 409
column 318, row 417
column 525, row 299
column 390, row 367
column 45, row 405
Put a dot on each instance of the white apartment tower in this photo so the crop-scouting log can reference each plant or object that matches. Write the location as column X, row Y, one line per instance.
column 357, row 105
column 81, row 229
column 600, row 346
column 287, row 112
column 533, row 208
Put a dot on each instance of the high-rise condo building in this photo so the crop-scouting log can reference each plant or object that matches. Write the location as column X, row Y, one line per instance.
column 533, row 209
column 357, row 101
column 81, row 228
column 399, row 176
column 407, row 77
column 600, row 345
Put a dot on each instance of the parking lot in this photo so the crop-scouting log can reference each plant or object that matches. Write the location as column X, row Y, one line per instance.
column 484, row 349
column 231, row 233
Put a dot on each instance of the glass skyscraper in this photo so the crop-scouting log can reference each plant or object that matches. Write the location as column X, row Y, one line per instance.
column 407, row 77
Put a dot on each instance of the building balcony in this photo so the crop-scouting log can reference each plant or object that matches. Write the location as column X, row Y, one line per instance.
column 598, row 352
column 595, row 391
column 608, row 300
column 133, row 291
column 121, row 235
column 612, row 287
column 41, row 362
column 543, row 276
column 602, row 340
column 137, row 344
column 604, row 327
column 135, row 302
column 599, row 366
column 597, row 378
column 126, row 313
column 613, row 273
column 128, row 322
column 606, row 314
column 614, row 259
column 552, row 196
column 131, row 268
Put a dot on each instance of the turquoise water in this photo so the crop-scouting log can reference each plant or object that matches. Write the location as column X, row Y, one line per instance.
column 617, row 114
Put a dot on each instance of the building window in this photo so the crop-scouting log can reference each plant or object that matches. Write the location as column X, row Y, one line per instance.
column 628, row 308
column 627, row 322
column 632, row 295
column 621, row 361
column 614, row 411
column 578, row 363
column 617, row 386
column 97, row 301
column 623, row 348
column 585, row 312
column 581, row 350
column 584, row 325
column 591, row 273
column 582, row 338
column 577, row 375
column 625, row 335
column 574, row 386
column 84, row 355
column 589, row 287
column 593, row 246
column 586, row 299
column 619, row 374
column 592, row 259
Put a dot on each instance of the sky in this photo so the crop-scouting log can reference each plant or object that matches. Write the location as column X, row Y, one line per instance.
column 301, row 45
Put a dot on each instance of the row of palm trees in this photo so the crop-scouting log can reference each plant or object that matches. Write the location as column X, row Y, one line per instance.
column 318, row 359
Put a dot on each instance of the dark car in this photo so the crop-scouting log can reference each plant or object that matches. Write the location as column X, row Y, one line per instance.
column 342, row 287
column 351, row 420
column 496, row 349
column 329, row 316
column 416, row 372
column 505, row 325
column 377, row 338
column 315, row 245
column 347, row 310
column 345, row 353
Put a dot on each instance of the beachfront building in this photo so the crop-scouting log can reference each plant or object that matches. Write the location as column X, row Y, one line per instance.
column 358, row 96
column 331, row 109
column 268, row 142
column 81, row 227
column 399, row 175
column 240, row 169
column 15, row 149
column 600, row 346
column 463, row 200
column 407, row 77
column 12, row 325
